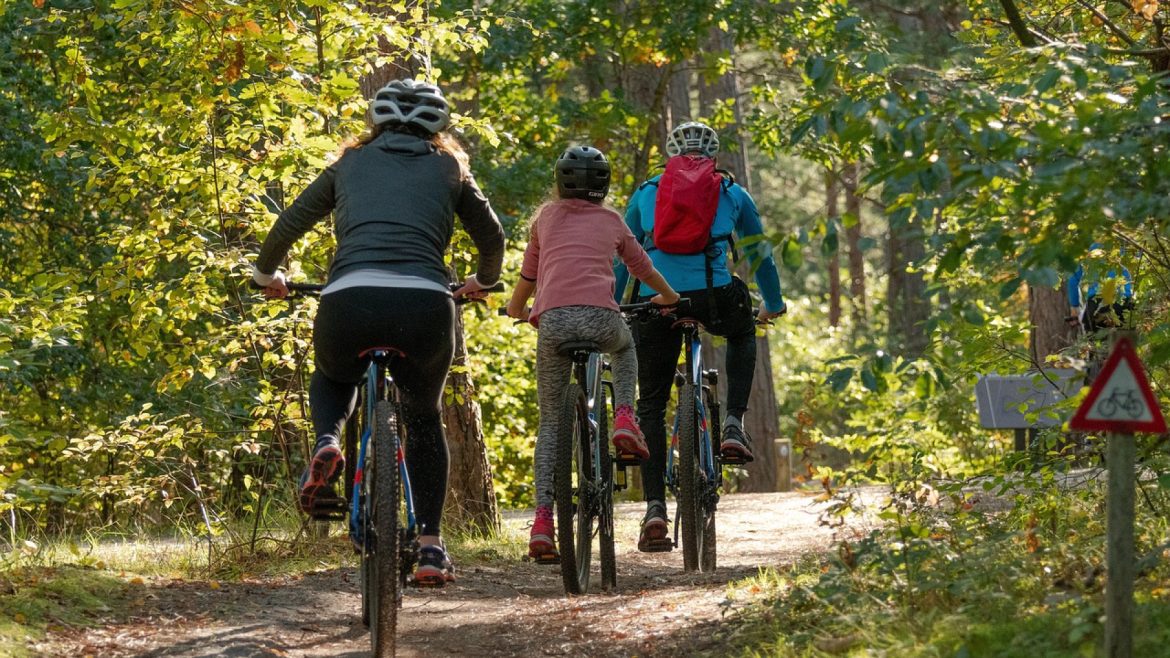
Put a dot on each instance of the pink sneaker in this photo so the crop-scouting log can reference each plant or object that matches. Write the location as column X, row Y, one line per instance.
column 627, row 436
column 541, row 544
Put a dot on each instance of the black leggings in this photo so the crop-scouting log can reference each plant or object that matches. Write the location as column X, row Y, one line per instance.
column 418, row 322
column 658, row 350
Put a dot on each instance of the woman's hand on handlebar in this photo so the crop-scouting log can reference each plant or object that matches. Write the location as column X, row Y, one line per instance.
column 277, row 288
column 472, row 289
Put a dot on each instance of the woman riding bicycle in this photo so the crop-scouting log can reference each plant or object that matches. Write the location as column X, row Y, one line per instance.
column 568, row 264
column 394, row 195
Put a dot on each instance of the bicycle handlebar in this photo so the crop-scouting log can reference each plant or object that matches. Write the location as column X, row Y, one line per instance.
column 316, row 288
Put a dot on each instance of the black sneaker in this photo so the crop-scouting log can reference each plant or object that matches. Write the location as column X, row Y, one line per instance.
column 435, row 568
column 655, row 535
column 735, row 446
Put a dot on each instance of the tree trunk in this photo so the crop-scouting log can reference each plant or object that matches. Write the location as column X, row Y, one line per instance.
column 761, row 421
column 1048, row 309
column 679, row 93
column 853, row 238
column 471, row 500
column 834, row 265
column 906, row 299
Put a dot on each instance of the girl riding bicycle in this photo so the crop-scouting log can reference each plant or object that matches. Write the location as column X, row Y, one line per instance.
column 568, row 264
column 394, row 196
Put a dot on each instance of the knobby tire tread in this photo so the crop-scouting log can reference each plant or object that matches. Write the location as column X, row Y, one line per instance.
column 605, row 539
column 386, row 505
column 690, row 512
column 569, row 420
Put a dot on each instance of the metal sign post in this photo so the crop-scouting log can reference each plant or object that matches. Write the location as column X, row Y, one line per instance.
column 1120, row 403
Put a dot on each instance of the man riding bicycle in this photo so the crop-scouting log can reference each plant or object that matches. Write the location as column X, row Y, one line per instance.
column 687, row 219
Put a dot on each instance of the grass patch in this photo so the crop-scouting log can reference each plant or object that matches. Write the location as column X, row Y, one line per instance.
column 950, row 580
column 35, row 600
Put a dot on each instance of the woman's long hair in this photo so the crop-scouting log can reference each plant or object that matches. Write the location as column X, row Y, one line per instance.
column 443, row 141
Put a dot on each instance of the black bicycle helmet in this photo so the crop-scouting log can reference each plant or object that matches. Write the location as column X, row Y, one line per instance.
column 582, row 173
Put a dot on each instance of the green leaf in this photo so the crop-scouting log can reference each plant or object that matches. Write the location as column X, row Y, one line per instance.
column 791, row 254
column 839, row 379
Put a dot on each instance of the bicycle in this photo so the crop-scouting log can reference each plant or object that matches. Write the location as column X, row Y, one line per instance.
column 376, row 494
column 584, row 471
column 694, row 467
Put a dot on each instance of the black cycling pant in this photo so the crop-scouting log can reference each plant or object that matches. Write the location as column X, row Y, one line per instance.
column 659, row 346
column 1103, row 316
column 419, row 323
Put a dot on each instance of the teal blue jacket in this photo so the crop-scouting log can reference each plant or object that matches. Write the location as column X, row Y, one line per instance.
column 737, row 214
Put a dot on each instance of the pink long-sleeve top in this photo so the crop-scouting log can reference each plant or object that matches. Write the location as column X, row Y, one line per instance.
column 570, row 255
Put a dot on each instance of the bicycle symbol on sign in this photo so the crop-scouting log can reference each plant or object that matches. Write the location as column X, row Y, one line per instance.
column 1123, row 400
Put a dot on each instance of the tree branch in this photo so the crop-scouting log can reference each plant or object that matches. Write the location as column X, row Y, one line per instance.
column 1027, row 39
column 1121, row 34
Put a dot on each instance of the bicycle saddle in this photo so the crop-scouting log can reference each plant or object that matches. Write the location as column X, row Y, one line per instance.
column 569, row 348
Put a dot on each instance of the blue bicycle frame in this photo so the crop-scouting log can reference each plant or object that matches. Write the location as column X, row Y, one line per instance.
column 377, row 385
column 706, row 448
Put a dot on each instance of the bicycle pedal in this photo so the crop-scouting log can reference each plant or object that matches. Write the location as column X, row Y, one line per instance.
column 663, row 545
column 623, row 459
column 332, row 508
column 547, row 558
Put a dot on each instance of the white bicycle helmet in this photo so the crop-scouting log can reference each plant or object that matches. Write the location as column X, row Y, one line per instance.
column 692, row 136
column 411, row 103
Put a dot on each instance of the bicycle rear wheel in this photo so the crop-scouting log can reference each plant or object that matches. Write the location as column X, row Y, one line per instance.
column 605, row 504
column 387, row 502
column 570, row 483
column 689, row 496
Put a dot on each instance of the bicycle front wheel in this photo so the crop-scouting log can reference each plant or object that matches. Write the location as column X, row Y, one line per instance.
column 570, row 483
column 387, row 502
column 689, row 496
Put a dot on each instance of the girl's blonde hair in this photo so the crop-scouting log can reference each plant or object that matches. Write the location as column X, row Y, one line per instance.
column 443, row 141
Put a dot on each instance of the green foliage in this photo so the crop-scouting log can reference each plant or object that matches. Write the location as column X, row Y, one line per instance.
column 997, row 565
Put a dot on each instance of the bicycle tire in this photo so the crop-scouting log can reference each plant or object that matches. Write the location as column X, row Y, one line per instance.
column 605, row 538
column 689, row 503
column 709, row 490
column 387, row 501
column 569, row 487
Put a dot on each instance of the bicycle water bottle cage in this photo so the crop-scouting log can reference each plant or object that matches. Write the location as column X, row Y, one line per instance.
column 578, row 349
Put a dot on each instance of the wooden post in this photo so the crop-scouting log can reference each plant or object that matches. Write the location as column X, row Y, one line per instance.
column 783, row 464
column 1119, row 459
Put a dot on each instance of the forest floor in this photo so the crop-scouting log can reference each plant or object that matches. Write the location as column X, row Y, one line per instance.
column 497, row 607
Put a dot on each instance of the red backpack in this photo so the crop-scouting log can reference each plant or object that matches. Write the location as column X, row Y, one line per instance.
column 684, row 211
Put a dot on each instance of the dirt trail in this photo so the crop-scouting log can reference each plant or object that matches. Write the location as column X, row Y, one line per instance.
column 494, row 610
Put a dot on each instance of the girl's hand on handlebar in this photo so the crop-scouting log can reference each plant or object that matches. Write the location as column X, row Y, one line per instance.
column 518, row 311
column 665, row 300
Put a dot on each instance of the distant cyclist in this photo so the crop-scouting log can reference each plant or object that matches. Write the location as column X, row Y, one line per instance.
column 394, row 195
column 687, row 219
column 568, row 264
column 1088, row 307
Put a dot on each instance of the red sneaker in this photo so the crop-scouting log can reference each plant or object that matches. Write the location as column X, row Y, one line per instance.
column 542, row 545
column 627, row 436
column 326, row 465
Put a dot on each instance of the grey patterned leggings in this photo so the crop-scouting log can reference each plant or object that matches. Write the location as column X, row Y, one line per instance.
column 557, row 326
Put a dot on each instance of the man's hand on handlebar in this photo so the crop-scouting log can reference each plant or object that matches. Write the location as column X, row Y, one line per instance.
column 766, row 316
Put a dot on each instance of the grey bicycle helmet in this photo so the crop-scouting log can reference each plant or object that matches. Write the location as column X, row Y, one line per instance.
column 582, row 173
column 411, row 103
column 692, row 136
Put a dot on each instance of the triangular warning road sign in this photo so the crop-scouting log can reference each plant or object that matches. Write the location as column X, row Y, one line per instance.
column 1120, row 399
